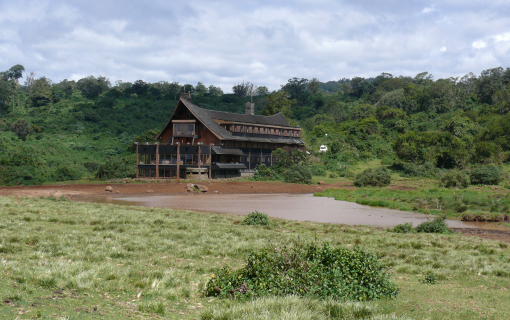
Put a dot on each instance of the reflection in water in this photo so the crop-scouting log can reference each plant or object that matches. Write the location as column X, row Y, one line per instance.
column 302, row 207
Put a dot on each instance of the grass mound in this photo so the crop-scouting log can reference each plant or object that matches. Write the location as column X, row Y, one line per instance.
column 438, row 225
column 379, row 177
column 306, row 270
column 256, row 218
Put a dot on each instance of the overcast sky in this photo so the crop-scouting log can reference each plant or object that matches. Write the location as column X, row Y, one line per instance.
column 264, row 42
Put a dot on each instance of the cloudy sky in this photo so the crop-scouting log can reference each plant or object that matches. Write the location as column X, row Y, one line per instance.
column 264, row 42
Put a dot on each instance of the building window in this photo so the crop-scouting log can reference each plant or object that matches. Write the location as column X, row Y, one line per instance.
column 184, row 129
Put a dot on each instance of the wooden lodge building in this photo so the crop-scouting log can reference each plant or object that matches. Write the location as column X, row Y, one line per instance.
column 214, row 144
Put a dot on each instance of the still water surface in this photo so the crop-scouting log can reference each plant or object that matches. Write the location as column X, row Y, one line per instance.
column 302, row 207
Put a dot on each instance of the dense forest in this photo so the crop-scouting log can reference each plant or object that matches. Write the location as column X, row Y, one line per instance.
column 85, row 129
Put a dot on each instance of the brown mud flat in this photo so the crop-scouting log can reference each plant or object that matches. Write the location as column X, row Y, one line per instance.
column 499, row 235
column 84, row 191
column 166, row 188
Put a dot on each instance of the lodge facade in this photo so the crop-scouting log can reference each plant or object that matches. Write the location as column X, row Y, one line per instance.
column 214, row 144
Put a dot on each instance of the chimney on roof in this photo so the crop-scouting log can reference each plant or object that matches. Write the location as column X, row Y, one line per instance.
column 186, row 96
column 249, row 108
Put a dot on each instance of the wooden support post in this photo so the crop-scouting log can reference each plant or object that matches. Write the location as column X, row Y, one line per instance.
column 199, row 156
column 157, row 161
column 260, row 155
column 137, row 161
column 210, row 161
column 178, row 161
column 271, row 155
column 249, row 157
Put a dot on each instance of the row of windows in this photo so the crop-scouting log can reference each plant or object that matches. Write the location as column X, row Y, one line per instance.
column 243, row 144
column 163, row 173
column 264, row 130
column 190, row 159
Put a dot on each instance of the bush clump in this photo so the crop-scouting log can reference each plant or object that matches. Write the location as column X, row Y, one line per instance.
column 298, row 173
column 306, row 270
column 265, row 173
column 379, row 177
column 487, row 174
column 318, row 171
column 256, row 218
column 438, row 225
column 454, row 178
column 404, row 228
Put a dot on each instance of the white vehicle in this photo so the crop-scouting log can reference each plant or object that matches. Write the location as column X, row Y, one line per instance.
column 323, row 148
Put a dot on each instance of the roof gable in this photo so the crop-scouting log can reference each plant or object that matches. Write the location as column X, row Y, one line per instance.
column 207, row 117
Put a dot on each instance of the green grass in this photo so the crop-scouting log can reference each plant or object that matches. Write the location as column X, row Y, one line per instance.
column 61, row 259
column 454, row 203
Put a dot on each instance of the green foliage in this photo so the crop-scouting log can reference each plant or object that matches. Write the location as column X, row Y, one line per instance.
column 430, row 278
column 454, row 178
column 410, row 169
column 404, row 228
column 306, row 270
column 116, row 167
column 379, row 177
column 256, row 218
column 265, row 173
column 438, row 225
column 318, row 170
column 22, row 129
column 485, row 174
column 298, row 173
column 65, row 172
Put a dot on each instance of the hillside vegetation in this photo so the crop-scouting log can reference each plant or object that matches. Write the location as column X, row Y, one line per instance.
column 420, row 126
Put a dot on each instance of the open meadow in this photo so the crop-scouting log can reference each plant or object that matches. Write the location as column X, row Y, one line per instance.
column 69, row 260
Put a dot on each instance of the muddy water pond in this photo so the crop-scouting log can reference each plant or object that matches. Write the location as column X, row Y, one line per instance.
column 302, row 207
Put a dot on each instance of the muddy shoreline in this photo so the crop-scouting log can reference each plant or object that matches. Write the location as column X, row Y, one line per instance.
column 84, row 192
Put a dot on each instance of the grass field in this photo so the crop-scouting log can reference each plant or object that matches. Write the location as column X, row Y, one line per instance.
column 68, row 260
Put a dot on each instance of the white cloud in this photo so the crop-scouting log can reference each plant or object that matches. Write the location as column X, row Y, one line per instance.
column 479, row 44
column 225, row 42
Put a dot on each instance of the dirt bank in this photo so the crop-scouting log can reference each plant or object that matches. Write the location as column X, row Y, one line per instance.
column 168, row 188
column 500, row 235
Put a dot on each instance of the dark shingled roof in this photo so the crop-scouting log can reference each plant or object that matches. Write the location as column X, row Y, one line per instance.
column 207, row 118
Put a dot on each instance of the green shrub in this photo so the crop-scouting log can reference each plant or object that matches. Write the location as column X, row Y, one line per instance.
column 332, row 175
column 256, row 218
column 487, row 174
column 404, row 228
column 318, row 171
column 344, row 171
column 454, row 178
column 430, row 278
column 412, row 170
column 117, row 167
column 298, row 173
column 438, row 225
column 387, row 161
column 379, row 177
column 66, row 172
column 306, row 270
column 265, row 173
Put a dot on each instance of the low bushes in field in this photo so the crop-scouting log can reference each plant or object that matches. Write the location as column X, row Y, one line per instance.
column 298, row 173
column 438, row 225
column 379, row 177
column 256, row 218
column 306, row 270
column 454, row 178
column 487, row 174
column 265, row 173
column 404, row 228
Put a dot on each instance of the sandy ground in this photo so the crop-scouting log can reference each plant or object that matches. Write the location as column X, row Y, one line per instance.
column 168, row 188
column 85, row 191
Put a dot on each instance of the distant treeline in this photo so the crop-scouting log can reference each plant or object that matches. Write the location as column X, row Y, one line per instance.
column 86, row 128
